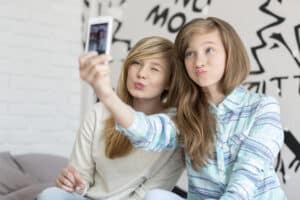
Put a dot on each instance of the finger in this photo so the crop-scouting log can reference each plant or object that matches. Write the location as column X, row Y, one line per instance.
column 89, row 74
column 79, row 190
column 89, row 67
column 89, row 64
column 63, row 180
column 96, row 60
column 86, row 56
column 84, row 73
column 67, row 174
column 99, row 73
column 79, row 181
column 64, row 187
column 67, row 189
column 71, row 169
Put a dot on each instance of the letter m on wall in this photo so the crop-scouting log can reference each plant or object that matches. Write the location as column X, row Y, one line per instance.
column 158, row 16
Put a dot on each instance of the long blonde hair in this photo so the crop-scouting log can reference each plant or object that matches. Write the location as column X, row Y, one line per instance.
column 116, row 144
column 194, row 119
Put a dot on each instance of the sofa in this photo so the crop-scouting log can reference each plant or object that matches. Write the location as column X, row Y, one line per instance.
column 22, row 177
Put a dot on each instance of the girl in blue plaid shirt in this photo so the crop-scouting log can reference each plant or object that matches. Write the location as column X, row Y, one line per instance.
column 230, row 136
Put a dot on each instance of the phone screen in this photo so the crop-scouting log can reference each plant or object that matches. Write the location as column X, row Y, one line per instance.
column 98, row 38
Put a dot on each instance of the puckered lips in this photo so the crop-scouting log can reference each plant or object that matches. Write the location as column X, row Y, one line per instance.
column 139, row 85
column 200, row 71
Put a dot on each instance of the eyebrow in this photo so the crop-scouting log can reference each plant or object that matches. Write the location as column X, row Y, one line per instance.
column 209, row 42
column 156, row 64
column 205, row 43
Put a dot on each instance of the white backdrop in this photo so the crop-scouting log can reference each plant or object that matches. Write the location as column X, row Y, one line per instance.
column 270, row 30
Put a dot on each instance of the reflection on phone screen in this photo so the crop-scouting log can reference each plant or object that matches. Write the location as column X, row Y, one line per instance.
column 98, row 37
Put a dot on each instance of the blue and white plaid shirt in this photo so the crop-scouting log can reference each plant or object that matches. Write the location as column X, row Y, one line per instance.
column 249, row 137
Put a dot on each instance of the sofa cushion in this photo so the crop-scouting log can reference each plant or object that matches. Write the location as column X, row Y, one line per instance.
column 44, row 167
column 27, row 193
column 12, row 177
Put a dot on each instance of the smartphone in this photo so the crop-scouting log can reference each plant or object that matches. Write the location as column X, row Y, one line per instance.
column 99, row 34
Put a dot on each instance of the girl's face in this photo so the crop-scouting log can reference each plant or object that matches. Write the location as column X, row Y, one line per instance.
column 148, row 78
column 205, row 59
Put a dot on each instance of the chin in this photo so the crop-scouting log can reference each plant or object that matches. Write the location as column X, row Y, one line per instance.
column 136, row 94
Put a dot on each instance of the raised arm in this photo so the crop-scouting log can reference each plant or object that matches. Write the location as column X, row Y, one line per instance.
column 152, row 132
column 94, row 69
column 155, row 132
column 257, row 153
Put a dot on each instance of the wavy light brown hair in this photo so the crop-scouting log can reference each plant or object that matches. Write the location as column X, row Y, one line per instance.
column 194, row 119
column 116, row 144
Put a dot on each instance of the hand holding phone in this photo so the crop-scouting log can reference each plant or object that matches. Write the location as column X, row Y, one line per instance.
column 99, row 34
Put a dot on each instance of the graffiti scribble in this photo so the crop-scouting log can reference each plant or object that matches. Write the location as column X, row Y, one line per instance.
column 278, row 37
column 259, row 33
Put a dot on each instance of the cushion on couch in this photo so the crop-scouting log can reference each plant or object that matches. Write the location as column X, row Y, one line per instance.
column 23, row 177
column 12, row 177
column 44, row 167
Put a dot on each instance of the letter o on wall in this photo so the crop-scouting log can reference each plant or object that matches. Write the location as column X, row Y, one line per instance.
column 173, row 28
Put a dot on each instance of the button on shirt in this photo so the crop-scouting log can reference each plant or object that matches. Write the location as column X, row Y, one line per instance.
column 249, row 136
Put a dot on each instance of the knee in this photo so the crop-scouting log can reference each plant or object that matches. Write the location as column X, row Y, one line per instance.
column 154, row 194
column 51, row 193
column 161, row 194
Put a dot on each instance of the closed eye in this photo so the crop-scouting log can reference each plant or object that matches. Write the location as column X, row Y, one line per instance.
column 154, row 69
column 136, row 63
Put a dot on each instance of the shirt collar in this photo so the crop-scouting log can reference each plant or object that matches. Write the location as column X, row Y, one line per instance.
column 232, row 101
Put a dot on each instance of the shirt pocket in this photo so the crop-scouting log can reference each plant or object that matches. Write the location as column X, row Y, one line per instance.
column 234, row 145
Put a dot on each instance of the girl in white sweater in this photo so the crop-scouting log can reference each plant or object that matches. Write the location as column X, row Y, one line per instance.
column 104, row 164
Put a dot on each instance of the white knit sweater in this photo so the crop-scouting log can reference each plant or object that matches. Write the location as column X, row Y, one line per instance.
column 128, row 177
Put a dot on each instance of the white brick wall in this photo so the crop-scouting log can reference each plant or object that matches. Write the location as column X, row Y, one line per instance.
column 40, row 41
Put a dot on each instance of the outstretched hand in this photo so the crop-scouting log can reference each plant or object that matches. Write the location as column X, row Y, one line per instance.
column 95, row 70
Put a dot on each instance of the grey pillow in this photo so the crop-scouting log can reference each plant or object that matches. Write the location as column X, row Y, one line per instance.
column 43, row 167
column 26, row 193
column 12, row 177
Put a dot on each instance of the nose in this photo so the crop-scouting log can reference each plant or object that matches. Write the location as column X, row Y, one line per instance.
column 142, row 72
column 200, row 60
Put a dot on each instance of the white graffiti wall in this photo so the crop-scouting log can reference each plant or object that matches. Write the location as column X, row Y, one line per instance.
column 270, row 30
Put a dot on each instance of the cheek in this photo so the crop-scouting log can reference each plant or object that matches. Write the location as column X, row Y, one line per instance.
column 222, row 61
column 189, row 69
column 222, row 66
column 129, row 78
column 161, row 82
column 188, row 64
column 131, row 74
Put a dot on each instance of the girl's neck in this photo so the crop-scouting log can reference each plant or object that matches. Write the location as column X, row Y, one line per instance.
column 214, row 95
column 148, row 106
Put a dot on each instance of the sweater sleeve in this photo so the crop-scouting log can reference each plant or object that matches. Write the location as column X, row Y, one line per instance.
column 81, row 156
column 257, row 152
column 151, row 132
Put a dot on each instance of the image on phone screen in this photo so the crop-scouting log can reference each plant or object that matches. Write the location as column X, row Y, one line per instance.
column 98, row 38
